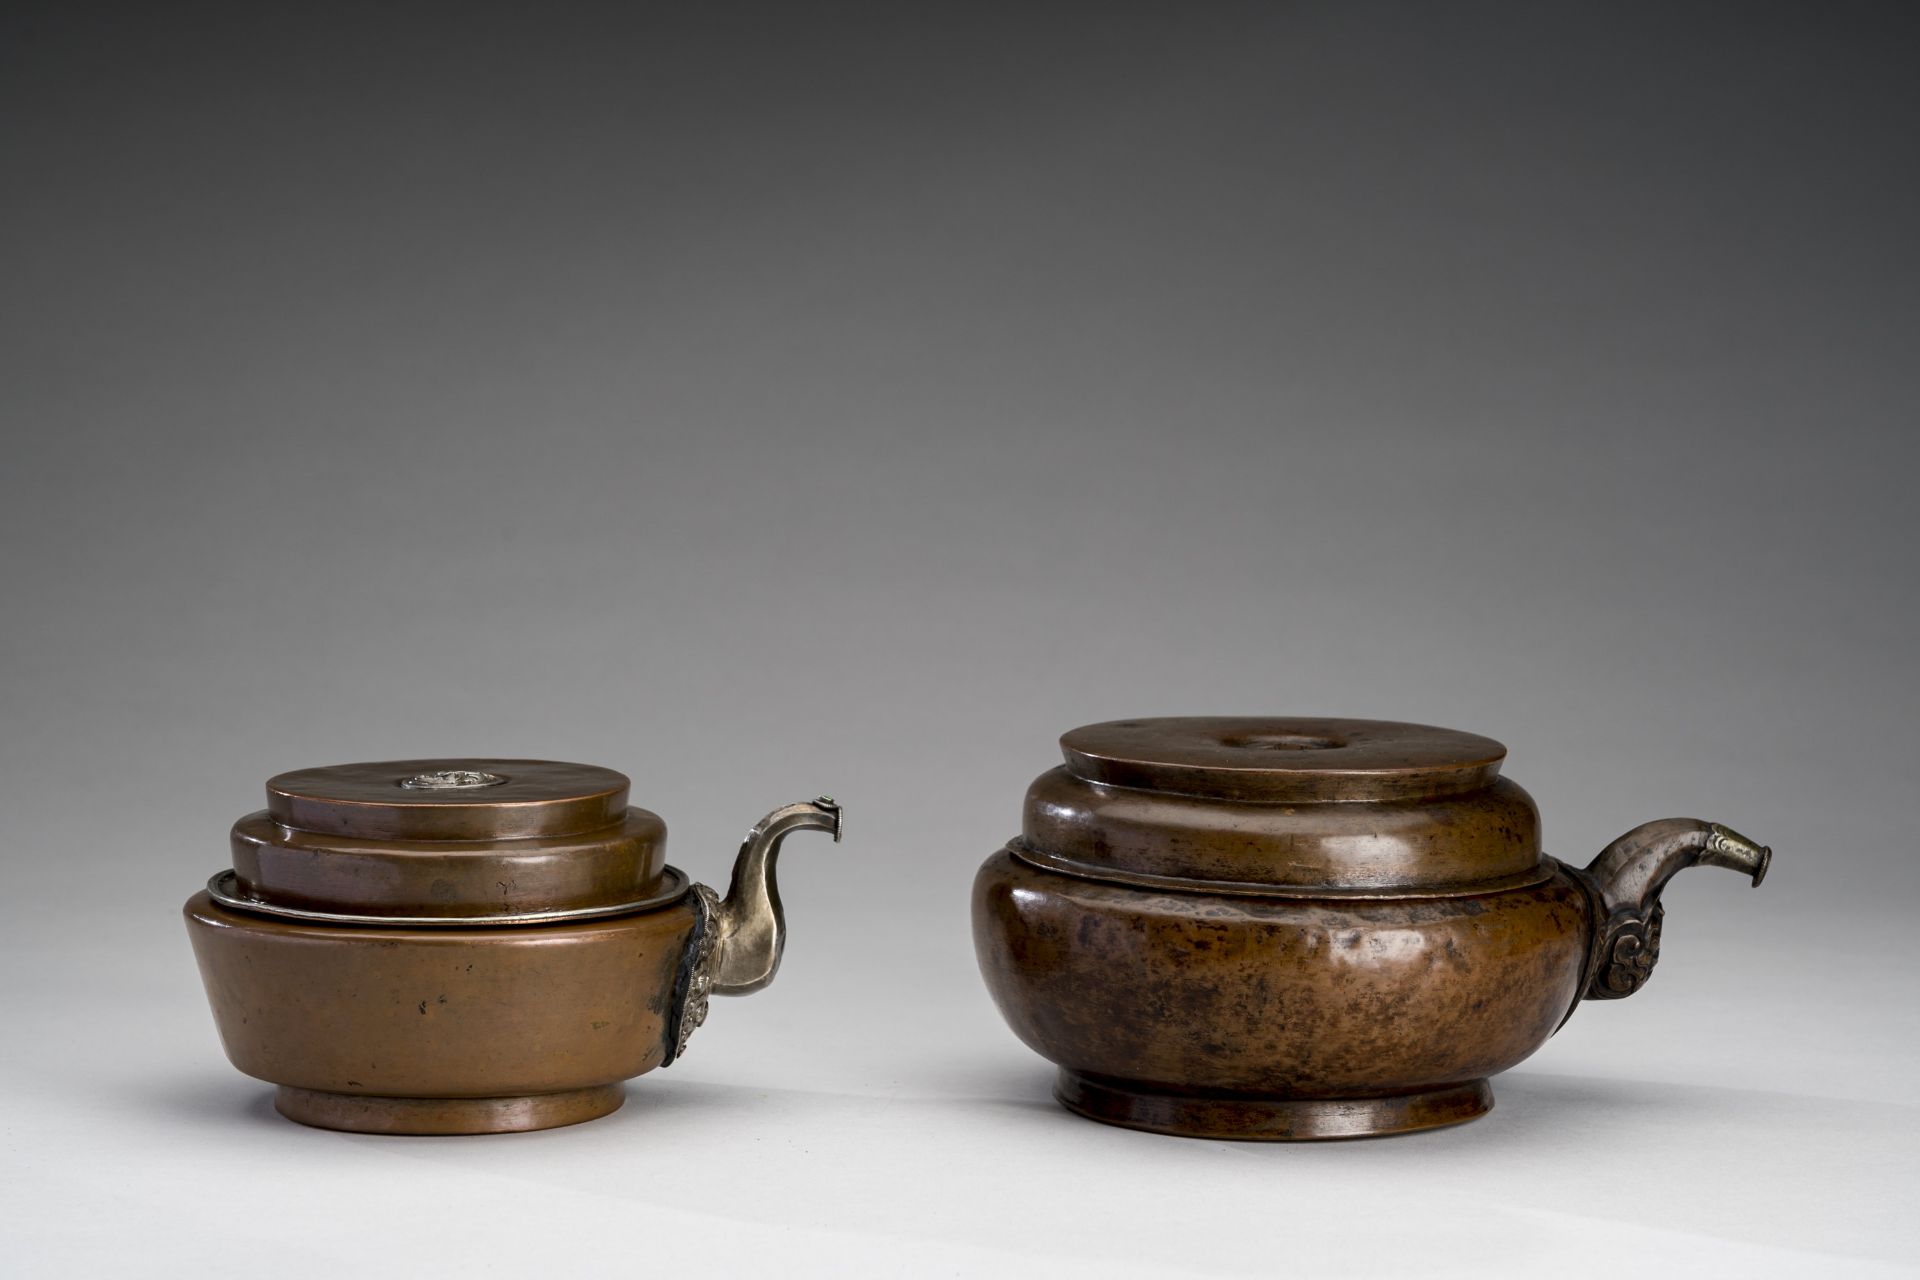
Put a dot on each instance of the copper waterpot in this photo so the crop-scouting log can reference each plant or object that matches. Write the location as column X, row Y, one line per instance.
column 472, row 946
column 1253, row 927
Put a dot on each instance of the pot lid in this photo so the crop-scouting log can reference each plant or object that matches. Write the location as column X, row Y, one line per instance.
column 479, row 840
column 448, row 799
column 1284, row 805
column 1295, row 760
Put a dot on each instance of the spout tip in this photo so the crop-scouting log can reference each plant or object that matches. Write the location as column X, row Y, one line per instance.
column 1759, row 872
column 1728, row 848
column 831, row 807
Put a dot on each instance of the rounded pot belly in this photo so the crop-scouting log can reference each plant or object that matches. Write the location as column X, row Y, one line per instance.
column 481, row 1013
column 1277, row 998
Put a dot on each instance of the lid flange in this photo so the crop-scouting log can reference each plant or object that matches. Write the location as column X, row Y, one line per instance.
column 226, row 889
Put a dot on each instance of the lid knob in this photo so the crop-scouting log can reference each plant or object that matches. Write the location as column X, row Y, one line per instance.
column 451, row 780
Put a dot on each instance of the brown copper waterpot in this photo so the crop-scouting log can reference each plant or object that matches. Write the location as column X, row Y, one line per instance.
column 1254, row 927
column 465, row 946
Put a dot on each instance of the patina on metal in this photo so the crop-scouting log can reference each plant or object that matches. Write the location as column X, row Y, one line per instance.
column 472, row 946
column 1272, row 928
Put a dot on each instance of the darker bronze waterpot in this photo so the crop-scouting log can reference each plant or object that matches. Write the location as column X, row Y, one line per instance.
column 1243, row 927
column 472, row 946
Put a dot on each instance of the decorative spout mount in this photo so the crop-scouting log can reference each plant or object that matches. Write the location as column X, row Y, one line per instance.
column 1625, row 881
column 739, row 939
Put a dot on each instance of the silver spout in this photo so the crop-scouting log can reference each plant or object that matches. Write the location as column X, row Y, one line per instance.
column 1625, row 882
column 749, row 928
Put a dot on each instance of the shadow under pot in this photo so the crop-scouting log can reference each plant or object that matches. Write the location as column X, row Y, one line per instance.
column 472, row 946
column 1244, row 927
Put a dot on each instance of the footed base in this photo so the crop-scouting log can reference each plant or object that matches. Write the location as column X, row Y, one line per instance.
column 1190, row 1115
column 357, row 1113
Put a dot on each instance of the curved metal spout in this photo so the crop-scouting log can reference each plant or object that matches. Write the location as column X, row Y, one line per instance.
column 1625, row 882
column 749, row 929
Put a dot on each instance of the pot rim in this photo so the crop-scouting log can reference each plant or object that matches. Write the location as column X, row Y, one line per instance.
column 225, row 889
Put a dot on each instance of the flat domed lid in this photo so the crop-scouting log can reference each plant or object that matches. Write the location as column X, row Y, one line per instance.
column 1283, row 806
column 1276, row 759
column 447, row 799
column 449, row 840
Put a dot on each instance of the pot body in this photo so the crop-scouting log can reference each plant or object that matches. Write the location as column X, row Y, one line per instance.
column 1286, row 927
column 1277, row 1017
column 443, row 1030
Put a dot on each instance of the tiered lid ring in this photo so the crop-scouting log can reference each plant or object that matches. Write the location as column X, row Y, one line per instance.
column 225, row 889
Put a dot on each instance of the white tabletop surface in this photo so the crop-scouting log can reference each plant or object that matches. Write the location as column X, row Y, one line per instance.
column 1749, row 1113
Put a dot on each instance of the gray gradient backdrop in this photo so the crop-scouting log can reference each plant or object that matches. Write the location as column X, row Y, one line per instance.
column 767, row 401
